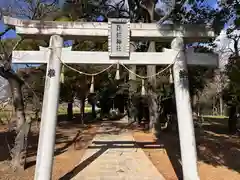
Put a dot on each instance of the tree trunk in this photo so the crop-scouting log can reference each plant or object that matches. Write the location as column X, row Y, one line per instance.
column 236, row 49
column 221, row 104
column 82, row 109
column 154, row 125
column 130, row 105
column 232, row 120
column 19, row 151
column 199, row 113
column 70, row 111
column 153, row 107
column 94, row 111
column 151, row 70
column 92, row 101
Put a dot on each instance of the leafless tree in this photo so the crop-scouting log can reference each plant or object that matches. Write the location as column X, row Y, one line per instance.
column 30, row 9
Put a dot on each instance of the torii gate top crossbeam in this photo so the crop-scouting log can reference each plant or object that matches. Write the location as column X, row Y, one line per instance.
column 99, row 30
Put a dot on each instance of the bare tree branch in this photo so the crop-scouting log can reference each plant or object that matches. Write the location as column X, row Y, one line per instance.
column 5, row 31
column 167, row 15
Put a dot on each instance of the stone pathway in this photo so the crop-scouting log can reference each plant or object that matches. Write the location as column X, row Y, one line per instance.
column 114, row 156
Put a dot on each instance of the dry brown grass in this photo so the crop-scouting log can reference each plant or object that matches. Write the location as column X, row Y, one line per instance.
column 218, row 152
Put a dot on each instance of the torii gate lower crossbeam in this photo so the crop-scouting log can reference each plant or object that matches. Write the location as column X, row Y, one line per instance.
column 51, row 93
column 136, row 58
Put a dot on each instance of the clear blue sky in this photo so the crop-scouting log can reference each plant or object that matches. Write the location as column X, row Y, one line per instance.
column 10, row 34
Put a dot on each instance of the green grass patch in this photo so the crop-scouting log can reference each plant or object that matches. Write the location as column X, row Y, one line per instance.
column 76, row 110
column 215, row 116
column 5, row 116
column 62, row 111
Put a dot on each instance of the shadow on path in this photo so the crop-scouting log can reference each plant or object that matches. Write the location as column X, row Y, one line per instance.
column 83, row 165
column 104, row 146
column 172, row 147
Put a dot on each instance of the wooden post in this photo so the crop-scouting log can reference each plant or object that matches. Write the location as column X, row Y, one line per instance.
column 184, row 113
column 49, row 111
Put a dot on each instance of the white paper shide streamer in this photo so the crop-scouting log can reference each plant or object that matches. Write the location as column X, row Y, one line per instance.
column 117, row 76
column 92, row 85
column 143, row 90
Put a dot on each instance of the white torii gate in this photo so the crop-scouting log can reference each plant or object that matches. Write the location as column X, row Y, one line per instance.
column 118, row 32
column 89, row 57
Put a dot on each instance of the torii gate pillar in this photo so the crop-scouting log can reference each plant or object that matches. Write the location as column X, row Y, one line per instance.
column 47, row 135
column 184, row 113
